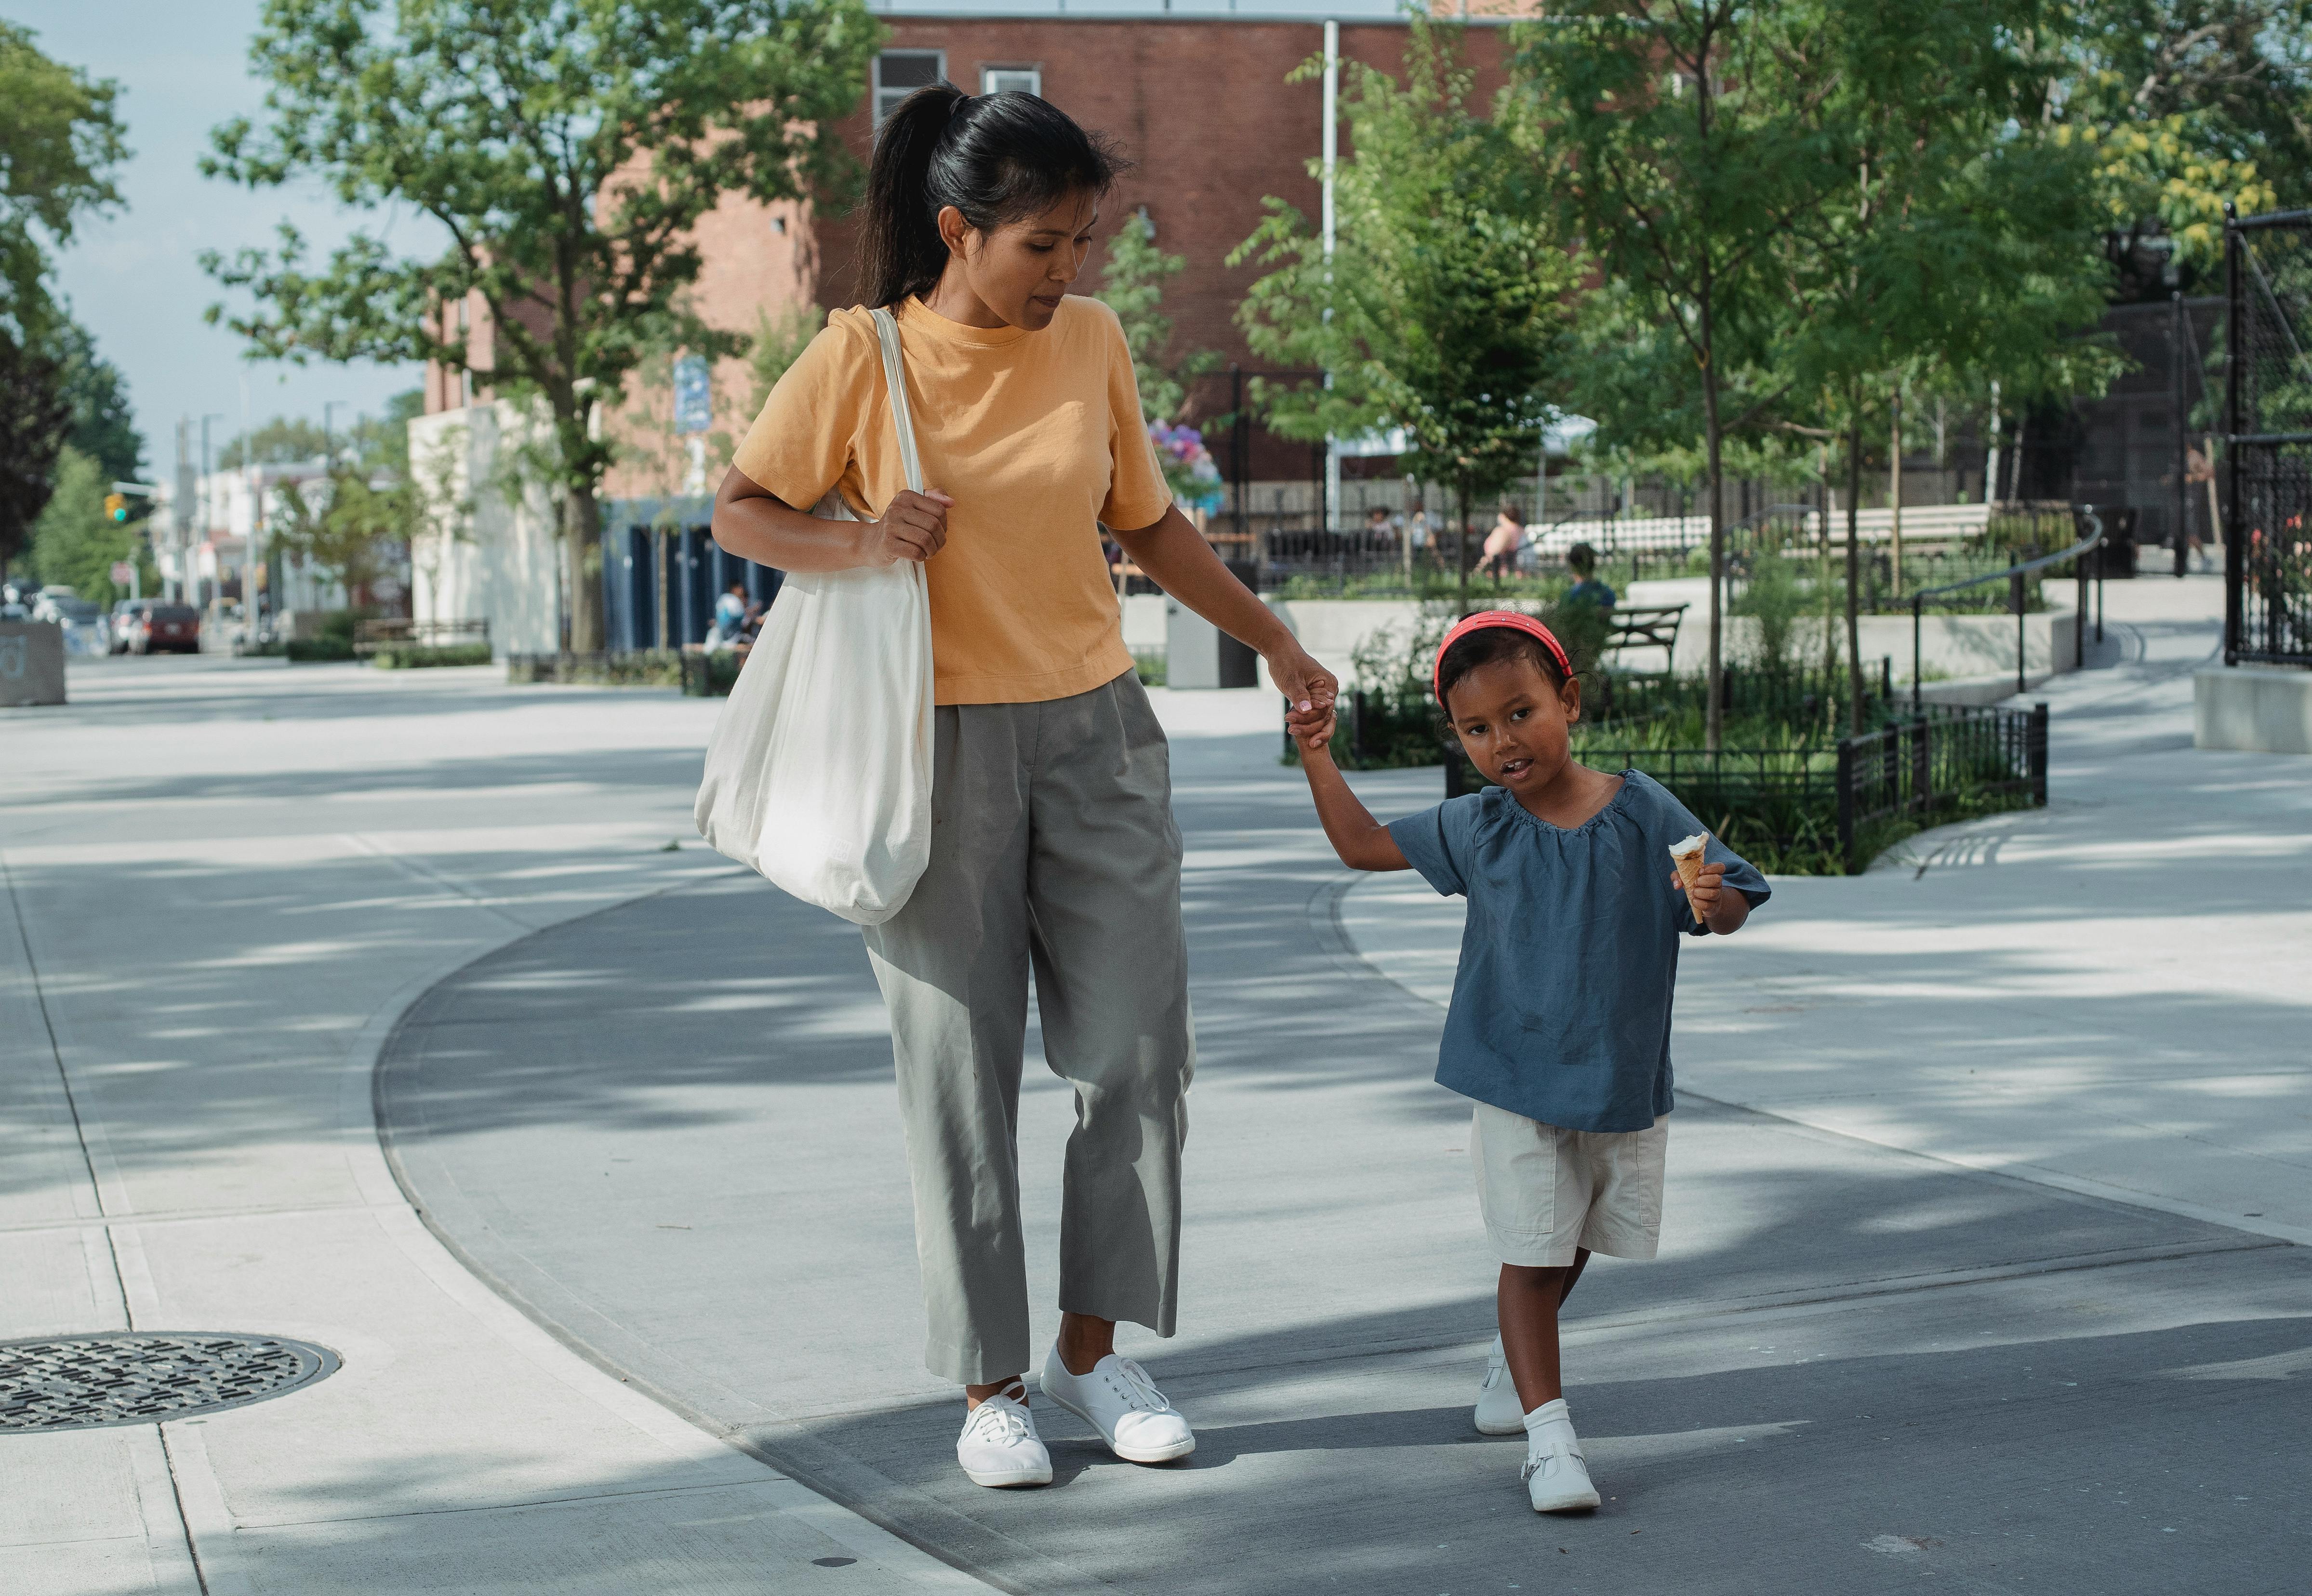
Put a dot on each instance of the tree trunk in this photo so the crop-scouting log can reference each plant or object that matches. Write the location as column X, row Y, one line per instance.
column 1461, row 538
column 1895, row 485
column 1854, row 568
column 1714, row 724
column 582, row 534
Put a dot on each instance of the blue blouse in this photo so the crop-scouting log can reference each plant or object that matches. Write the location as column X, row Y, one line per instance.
column 1562, row 1004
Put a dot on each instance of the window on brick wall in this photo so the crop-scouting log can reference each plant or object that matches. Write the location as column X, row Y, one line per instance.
column 1011, row 80
column 901, row 72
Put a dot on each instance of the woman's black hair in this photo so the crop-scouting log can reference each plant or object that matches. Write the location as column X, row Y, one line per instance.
column 996, row 158
column 1489, row 645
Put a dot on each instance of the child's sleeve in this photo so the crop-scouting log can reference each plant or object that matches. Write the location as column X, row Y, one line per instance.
column 1436, row 842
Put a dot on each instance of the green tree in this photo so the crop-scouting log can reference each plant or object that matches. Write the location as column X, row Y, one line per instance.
column 1131, row 284
column 35, row 421
column 284, row 441
column 60, row 139
column 1444, row 306
column 2186, row 104
column 103, row 421
column 565, row 148
column 1965, row 244
column 1682, row 140
column 74, row 543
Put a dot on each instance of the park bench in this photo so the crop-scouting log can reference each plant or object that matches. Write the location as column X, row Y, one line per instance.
column 370, row 635
column 1644, row 626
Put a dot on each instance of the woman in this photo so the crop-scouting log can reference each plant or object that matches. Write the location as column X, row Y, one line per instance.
column 1505, row 540
column 1053, row 845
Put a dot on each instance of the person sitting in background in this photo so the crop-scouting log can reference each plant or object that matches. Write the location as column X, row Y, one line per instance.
column 1377, row 527
column 729, row 611
column 1582, row 561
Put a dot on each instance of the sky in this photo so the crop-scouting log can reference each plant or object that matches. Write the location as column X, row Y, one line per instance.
column 134, row 278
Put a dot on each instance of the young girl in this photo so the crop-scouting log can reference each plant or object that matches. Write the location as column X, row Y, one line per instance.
column 1053, row 842
column 1559, row 1027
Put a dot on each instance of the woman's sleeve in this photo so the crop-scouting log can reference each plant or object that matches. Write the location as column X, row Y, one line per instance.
column 800, row 445
column 1137, row 496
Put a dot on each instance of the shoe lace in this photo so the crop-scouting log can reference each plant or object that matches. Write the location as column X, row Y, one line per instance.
column 1005, row 1423
column 1137, row 1390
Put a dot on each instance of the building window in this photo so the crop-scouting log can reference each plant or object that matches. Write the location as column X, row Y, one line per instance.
column 901, row 72
column 1011, row 80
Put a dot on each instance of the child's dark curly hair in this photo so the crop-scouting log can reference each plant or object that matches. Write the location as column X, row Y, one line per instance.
column 1489, row 645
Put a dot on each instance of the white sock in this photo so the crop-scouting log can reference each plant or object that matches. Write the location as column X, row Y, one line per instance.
column 1552, row 1420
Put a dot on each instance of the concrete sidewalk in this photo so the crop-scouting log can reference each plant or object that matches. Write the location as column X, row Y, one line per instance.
column 225, row 880
column 1853, row 1369
column 2109, row 995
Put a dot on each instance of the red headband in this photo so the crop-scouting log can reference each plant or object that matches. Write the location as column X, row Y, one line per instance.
column 1499, row 618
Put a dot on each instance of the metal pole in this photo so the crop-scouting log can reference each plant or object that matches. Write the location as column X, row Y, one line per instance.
column 2234, row 554
column 1332, row 145
column 2176, row 344
column 1915, row 654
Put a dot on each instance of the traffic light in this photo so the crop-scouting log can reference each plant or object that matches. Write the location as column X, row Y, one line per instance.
column 116, row 507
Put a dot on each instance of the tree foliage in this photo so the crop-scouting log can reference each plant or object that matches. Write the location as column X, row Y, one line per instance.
column 565, row 150
column 103, row 421
column 74, row 543
column 60, row 138
column 1444, row 307
column 1682, row 141
column 1131, row 284
column 2186, row 104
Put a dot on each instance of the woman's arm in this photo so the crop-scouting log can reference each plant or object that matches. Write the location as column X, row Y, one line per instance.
column 1362, row 842
column 755, row 524
column 1177, row 557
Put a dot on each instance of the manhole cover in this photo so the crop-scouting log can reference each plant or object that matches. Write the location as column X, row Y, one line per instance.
column 85, row 1382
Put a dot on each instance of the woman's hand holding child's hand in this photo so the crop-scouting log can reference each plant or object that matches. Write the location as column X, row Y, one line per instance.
column 1313, row 731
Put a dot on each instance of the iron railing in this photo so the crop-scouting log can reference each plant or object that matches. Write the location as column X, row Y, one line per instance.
column 2092, row 521
column 2268, row 439
column 1925, row 769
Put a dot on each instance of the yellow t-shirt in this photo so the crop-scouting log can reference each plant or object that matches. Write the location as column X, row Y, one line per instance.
column 1037, row 436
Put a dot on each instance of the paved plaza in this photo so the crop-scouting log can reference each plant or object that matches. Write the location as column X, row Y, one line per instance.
column 375, row 1010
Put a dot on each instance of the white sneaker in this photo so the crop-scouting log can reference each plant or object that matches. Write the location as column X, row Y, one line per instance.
column 1499, row 1411
column 1556, row 1477
column 999, row 1445
column 1120, row 1400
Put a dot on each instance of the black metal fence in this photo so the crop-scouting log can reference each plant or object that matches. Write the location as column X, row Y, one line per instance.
column 2268, row 439
column 1934, row 767
column 1828, row 808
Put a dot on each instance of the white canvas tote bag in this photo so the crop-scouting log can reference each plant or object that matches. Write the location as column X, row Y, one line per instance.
column 820, row 771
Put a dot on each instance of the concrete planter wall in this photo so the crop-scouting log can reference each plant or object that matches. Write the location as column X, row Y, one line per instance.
column 32, row 662
column 2261, row 708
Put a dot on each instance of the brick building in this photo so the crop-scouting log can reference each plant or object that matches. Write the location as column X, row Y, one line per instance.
column 1193, row 91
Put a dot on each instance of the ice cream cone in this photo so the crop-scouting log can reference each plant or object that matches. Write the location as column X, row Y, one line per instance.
column 1687, row 856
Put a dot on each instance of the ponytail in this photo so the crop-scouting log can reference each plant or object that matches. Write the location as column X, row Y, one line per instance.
column 996, row 158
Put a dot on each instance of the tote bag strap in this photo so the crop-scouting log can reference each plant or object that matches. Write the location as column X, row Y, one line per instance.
column 895, row 377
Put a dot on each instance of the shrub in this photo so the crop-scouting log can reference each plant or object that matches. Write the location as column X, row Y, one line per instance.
column 415, row 656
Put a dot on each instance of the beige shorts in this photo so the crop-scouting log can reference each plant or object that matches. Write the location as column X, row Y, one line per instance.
column 1545, row 1192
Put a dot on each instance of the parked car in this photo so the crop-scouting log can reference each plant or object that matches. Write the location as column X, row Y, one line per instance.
column 175, row 627
column 124, row 615
column 83, row 619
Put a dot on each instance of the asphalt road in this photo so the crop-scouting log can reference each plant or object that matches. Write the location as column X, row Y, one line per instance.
column 666, row 1130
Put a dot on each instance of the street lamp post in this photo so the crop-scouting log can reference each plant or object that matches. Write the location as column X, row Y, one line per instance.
column 209, row 506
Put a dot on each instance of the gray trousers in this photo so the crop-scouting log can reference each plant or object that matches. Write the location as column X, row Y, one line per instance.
column 1053, row 849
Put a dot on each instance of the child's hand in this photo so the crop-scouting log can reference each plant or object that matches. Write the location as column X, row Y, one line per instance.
column 1315, row 734
column 1709, row 889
